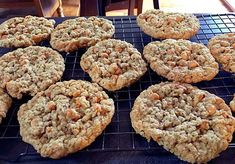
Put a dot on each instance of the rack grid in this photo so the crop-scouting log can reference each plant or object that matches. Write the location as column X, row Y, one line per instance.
column 119, row 135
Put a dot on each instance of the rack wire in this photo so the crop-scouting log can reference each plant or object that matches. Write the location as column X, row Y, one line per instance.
column 119, row 135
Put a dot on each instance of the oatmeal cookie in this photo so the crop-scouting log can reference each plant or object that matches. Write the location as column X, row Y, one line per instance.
column 25, row 31
column 232, row 104
column 5, row 104
column 65, row 118
column 30, row 70
column 73, row 34
column 222, row 47
column 113, row 64
column 164, row 25
column 181, row 60
column 191, row 123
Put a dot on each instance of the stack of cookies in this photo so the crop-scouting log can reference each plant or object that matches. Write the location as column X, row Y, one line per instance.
column 64, row 117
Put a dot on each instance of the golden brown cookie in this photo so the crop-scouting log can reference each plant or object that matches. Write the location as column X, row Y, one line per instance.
column 165, row 25
column 30, row 70
column 25, row 31
column 181, row 60
column 65, row 118
column 232, row 104
column 191, row 123
column 113, row 64
column 222, row 47
column 5, row 104
column 73, row 34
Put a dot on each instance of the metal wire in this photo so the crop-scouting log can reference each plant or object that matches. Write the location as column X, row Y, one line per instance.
column 119, row 135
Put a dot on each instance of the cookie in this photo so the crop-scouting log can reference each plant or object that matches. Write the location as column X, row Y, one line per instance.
column 25, row 31
column 73, row 34
column 191, row 123
column 65, row 118
column 164, row 25
column 30, row 70
column 113, row 64
column 222, row 47
column 232, row 104
column 181, row 60
column 5, row 104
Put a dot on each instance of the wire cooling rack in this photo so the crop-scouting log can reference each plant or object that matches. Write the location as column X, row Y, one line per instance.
column 119, row 135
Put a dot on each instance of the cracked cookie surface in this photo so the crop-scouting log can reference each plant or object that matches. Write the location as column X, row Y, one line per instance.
column 222, row 47
column 73, row 34
column 191, row 123
column 25, row 31
column 164, row 25
column 113, row 64
column 181, row 60
column 5, row 104
column 65, row 118
column 30, row 70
